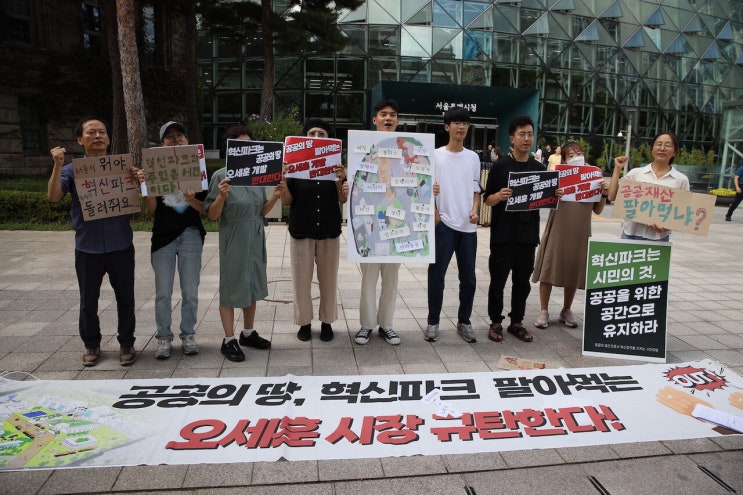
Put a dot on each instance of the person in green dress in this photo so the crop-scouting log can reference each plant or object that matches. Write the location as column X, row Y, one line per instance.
column 242, row 252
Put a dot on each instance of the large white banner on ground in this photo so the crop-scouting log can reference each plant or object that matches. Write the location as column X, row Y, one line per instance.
column 64, row 424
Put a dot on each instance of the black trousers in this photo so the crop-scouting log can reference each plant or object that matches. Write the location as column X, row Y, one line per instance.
column 516, row 258
column 736, row 201
column 90, row 268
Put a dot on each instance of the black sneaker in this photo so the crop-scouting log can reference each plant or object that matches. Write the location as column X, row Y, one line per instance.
column 326, row 332
column 232, row 351
column 254, row 340
column 305, row 333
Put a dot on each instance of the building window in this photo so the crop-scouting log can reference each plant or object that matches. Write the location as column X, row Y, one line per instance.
column 92, row 27
column 15, row 21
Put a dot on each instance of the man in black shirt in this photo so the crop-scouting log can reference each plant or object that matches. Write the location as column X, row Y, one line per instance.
column 514, row 236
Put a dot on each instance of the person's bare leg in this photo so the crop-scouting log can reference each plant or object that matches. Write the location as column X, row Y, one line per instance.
column 227, row 315
column 545, row 291
column 569, row 296
column 249, row 316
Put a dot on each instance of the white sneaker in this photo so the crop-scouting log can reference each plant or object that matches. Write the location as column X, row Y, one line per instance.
column 567, row 318
column 432, row 333
column 163, row 349
column 466, row 331
column 189, row 345
column 543, row 320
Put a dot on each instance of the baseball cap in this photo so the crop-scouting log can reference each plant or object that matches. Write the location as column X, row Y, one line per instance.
column 167, row 125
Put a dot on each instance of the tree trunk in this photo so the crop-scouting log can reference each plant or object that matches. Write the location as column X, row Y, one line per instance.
column 131, row 85
column 267, row 91
column 118, row 119
column 191, row 99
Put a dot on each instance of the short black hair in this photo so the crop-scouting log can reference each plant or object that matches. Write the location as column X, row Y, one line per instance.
column 386, row 102
column 520, row 121
column 78, row 129
column 456, row 114
column 237, row 130
column 315, row 123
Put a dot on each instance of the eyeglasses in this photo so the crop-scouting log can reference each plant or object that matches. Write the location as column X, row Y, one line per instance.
column 321, row 134
column 525, row 135
column 574, row 154
column 663, row 145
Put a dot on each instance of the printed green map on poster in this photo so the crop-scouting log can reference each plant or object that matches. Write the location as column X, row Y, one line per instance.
column 626, row 299
column 391, row 206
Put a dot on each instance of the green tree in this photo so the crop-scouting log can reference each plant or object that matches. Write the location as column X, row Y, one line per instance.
column 306, row 26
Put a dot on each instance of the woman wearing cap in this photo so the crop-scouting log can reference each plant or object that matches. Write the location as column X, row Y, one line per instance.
column 177, row 241
column 315, row 228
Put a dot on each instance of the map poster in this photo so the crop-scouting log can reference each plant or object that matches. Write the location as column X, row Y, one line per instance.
column 671, row 208
column 254, row 163
column 583, row 183
column 172, row 169
column 311, row 157
column 532, row 190
column 391, row 208
column 105, row 186
column 626, row 299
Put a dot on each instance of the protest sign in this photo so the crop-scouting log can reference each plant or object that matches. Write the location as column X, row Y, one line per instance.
column 391, row 208
column 626, row 299
column 172, row 169
column 311, row 157
column 671, row 208
column 105, row 186
column 254, row 163
column 583, row 183
column 186, row 421
column 532, row 190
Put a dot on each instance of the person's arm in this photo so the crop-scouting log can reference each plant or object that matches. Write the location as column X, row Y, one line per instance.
column 598, row 207
column 54, row 187
column 619, row 163
column 341, row 184
column 192, row 201
column 215, row 209
column 475, row 212
column 269, row 204
column 737, row 184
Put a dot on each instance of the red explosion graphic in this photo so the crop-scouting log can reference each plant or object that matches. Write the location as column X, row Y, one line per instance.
column 696, row 378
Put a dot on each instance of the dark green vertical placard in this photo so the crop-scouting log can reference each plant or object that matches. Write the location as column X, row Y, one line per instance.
column 626, row 299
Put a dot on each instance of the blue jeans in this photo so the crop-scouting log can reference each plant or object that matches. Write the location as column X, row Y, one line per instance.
column 449, row 242
column 186, row 248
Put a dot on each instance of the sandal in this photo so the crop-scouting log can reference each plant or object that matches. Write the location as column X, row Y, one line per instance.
column 496, row 332
column 520, row 332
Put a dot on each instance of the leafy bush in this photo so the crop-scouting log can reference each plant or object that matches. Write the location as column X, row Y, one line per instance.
column 284, row 124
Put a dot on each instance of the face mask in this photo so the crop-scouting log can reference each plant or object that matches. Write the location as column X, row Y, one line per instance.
column 577, row 161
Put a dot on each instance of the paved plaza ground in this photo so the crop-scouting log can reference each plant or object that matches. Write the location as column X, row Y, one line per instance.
column 39, row 337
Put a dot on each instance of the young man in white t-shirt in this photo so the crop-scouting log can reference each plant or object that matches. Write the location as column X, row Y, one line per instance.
column 458, row 210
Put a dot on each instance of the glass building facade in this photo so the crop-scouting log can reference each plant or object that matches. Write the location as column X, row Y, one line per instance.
column 666, row 64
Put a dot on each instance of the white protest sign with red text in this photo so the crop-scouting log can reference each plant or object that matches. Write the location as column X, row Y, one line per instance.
column 312, row 158
column 581, row 183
